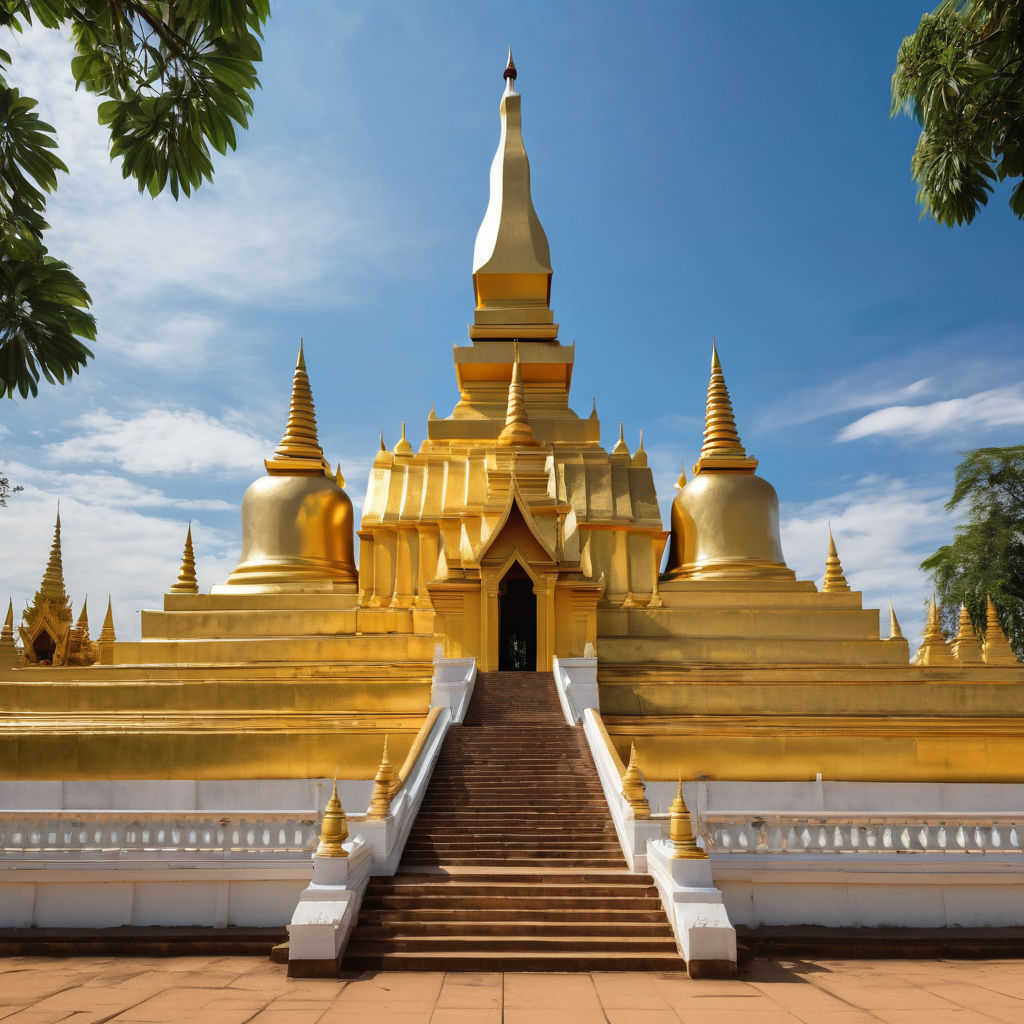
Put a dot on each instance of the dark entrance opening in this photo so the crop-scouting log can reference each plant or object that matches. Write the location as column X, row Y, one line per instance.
column 44, row 647
column 517, row 622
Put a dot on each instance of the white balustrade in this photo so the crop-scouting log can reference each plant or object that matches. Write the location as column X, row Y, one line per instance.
column 861, row 833
column 232, row 835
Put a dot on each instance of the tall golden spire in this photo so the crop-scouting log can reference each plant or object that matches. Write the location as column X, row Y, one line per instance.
column 933, row 650
column 299, row 451
column 186, row 582
column 511, row 258
column 722, row 448
column 107, row 638
column 51, row 590
column 835, row 581
column 997, row 648
column 633, row 788
column 966, row 648
column 517, row 431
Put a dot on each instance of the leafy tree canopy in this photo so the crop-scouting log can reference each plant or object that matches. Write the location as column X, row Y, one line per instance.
column 961, row 76
column 178, row 77
column 6, row 490
column 987, row 553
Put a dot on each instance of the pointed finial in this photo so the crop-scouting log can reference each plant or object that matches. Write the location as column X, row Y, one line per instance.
column 722, row 448
column 681, row 482
column 383, row 447
column 510, row 72
column 633, row 787
column 383, row 786
column 51, row 590
column 895, row 633
column 339, row 477
column 517, row 432
column 107, row 632
column 299, row 451
column 593, row 409
column 186, row 582
column 997, row 648
column 83, row 615
column 835, row 581
column 621, row 448
column 403, row 447
column 933, row 650
column 640, row 455
column 680, row 829
column 334, row 828
column 7, row 633
column 432, row 415
column 966, row 648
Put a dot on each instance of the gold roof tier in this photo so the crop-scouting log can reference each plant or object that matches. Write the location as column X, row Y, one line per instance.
column 511, row 259
column 722, row 448
column 299, row 450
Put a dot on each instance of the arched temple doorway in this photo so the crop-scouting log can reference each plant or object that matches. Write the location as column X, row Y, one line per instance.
column 44, row 647
column 517, row 622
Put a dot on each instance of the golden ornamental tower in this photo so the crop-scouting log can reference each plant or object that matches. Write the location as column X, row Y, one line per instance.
column 297, row 523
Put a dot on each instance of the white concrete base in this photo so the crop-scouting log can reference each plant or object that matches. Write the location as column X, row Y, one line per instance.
column 576, row 682
column 696, row 910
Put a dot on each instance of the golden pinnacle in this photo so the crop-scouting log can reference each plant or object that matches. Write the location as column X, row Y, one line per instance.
column 933, row 650
column 640, row 455
column 895, row 633
column 835, row 581
column 51, row 590
column 186, row 582
column 7, row 633
column 722, row 448
column 517, row 431
column 633, row 787
column 334, row 828
column 83, row 616
column 680, row 830
column 383, row 786
column 966, row 648
column 339, row 477
column 997, row 648
column 403, row 447
column 299, row 450
column 107, row 632
column 621, row 448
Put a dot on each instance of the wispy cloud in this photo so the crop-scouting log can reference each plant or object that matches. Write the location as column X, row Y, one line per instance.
column 171, row 440
column 998, row 407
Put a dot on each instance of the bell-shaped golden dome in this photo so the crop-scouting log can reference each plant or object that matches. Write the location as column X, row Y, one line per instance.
column 725, row 521
column 297, row 523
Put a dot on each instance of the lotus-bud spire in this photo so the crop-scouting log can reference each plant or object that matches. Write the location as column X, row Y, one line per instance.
column 299, row 452
column 517, row 431
column 997, row 648
column 383, row 786
column 402, row 446
column 621, row 448
column 633, row 787
column 895, row 633
column 933, row 650
column 640, row 455
column 722, row 448
column 186, row 582
column 965, row 647
column 680, row 830
column 334, row 828
column 339, row 477
column 51, row 589
column 835, row 581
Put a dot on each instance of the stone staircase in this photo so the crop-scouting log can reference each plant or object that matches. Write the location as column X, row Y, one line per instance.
column 513, row 862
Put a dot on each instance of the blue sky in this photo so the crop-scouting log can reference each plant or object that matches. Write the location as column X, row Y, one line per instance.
column 726, row 170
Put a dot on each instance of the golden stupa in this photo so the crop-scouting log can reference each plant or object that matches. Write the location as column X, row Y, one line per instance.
column 509, row 535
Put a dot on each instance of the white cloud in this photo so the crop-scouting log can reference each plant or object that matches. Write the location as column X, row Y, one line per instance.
column 883, row 529
column 995, row 408
column 168, row 440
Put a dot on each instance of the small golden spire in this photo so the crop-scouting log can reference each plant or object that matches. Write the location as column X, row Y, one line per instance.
column 997, row 648
column 965, row 647
column 680, row 830
column 403, row 447
column 633, row 787
column 681, row 482
column 722, row 448
column 186, row 582
column 835, row 581
column 510, row 73
column 107, row 632
column 339, row 477
column 640, row 455
column 895, row 633
column 7, row 633
column 933, row 650
column 334, row 828
column 299, row 451
column 517, row 431
column 83, row 616
column 383, row 785
column 621, row 448
column 432, row 415
column 593, row 410
column 51, row 589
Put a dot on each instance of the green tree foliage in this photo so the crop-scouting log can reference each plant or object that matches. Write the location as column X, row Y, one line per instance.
column 177, row 77
column 6, row 490
column 987, row 553
column 961, row 76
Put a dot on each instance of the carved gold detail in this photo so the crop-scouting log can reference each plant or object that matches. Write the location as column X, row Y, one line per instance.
column 334, row 828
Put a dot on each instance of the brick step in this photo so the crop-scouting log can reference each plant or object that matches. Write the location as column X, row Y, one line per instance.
column 425, row 860
column 578, row 944
column 519, row 905
column 381, row 926
column 589, row 881
column 432, row 916
column 513, row 962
